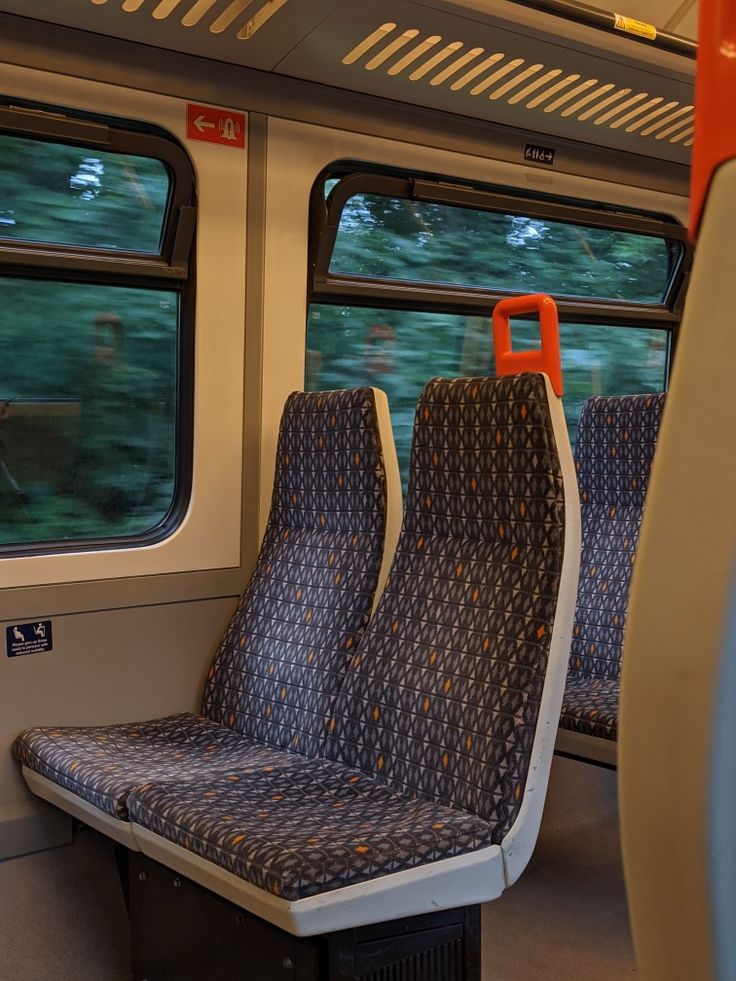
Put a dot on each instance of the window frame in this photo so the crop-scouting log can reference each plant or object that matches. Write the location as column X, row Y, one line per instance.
column 172, row 268
column 356, row 178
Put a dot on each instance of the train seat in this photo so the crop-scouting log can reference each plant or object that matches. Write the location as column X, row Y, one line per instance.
column 430, row 792
column 616, row 441
column 273, row 680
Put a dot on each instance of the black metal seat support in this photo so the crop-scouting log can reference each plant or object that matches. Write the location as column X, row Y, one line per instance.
column 183, row 932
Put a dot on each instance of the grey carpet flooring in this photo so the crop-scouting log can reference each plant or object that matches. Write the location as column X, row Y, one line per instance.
column 62, row 916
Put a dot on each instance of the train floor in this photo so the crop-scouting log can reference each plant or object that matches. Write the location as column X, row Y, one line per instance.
column 62, row 916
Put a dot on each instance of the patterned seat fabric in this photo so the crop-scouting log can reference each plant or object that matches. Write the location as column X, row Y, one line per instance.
column 591, row 707
column 102, row 764
column 441, row 699
column 301, row 830
column 439, row 705
column 615, row 447
column 285, row 652
column 275, row 676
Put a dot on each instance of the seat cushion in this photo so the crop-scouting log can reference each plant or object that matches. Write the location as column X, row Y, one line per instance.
column 590, row 706
column 301, row 831
column 102, row 764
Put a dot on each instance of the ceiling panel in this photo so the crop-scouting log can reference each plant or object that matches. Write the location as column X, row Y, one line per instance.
column 255, row 33
column 490, row 60
column 410, row 53
column 688, row 27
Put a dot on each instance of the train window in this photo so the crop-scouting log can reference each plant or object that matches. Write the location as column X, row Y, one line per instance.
column 95, row 334
column 75, row 195
column 390, row 349
column 394, row 238
column 404, row 272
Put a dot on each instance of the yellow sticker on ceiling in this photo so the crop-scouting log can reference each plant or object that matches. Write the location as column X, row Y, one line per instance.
column 638, row 27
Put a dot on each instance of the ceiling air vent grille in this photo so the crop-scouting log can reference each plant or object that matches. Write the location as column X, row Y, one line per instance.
column 498, row 75
column 244, row 18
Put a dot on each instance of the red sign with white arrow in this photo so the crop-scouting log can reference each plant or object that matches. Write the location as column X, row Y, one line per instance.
column 211, row 125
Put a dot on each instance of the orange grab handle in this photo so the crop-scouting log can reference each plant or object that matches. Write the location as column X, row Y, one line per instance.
column 547, row 358
column 715, row 100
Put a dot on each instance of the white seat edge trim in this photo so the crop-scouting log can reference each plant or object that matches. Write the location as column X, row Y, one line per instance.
column 394, row 504
column 64, row 799
column 519, row 843
column 451, row 882
column 584, row 747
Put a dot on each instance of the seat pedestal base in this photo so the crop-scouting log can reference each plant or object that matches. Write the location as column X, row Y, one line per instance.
column 182, row 932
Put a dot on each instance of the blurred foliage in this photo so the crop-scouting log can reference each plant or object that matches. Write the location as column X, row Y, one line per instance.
column 89, row 438
column 396, row 238
column 399, row 351
column 87, row 445
column 88, row 441
column 52, row 192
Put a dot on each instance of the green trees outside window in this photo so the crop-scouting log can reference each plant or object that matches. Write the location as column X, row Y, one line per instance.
column 72, row 195
column 429, row 257
column 395, row 238
column 88, row 393
column 90, row 344
column 399, row 351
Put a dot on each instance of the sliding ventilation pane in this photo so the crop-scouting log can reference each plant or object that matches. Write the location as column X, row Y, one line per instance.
column 75, row 195
column 387, row 238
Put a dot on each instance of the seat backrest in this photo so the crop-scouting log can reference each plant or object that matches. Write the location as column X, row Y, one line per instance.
column 442, row 698
column 613, row 456
column 286, row 649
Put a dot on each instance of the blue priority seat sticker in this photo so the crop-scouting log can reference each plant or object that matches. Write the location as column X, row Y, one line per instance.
column 29, row 638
